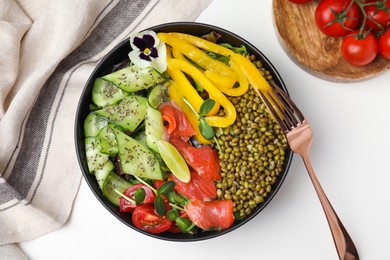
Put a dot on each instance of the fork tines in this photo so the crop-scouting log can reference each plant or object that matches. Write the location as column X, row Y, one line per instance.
column 283, row 109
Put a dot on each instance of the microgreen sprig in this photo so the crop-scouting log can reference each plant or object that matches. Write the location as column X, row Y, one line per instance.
column 205, row 129
column 165, row 189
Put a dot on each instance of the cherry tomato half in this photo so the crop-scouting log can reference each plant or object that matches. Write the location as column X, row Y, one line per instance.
column 127, row 206
column 359, row 51
column 145, row 218
column 300, row 1
column 376, row 14
column 333, row 26
column 384, row 44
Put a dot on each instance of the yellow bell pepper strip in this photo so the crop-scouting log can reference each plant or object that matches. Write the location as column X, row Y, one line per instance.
column 178, row 55
column 242, row 80
column 204, row 44
column 220, row 82
column 230, row 112
column 255, row 78
column 198, row 56
column 178, row 98
column 185, row 87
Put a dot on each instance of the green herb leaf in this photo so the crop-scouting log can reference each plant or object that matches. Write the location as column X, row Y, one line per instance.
column 205, row 129
column 159, row 205
column 139, row 196
column 239, row 50
column 177, row 198
column 166, row 188
column 198, row 87
column 206, row 107
column 183, row 224
column 172, row 214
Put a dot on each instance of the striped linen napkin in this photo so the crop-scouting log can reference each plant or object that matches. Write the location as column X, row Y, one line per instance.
column 48, row 48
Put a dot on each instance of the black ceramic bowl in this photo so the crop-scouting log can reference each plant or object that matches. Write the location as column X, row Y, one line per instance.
column 117, row 55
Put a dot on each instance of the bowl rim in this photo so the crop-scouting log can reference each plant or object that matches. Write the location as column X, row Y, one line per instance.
column 87, row 175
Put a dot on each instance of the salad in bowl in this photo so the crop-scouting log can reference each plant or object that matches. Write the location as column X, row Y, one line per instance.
column 172, row 136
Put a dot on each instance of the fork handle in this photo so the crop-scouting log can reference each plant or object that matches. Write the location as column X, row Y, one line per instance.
column 345, row 247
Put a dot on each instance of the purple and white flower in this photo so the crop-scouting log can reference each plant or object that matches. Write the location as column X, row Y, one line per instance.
column 148, row 51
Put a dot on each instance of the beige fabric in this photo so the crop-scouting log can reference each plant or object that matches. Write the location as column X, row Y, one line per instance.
column 48, row 48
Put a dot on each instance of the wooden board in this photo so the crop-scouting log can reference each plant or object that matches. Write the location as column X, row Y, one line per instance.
column 312, row 50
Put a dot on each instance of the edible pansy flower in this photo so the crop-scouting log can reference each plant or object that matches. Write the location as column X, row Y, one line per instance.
column 148, row 51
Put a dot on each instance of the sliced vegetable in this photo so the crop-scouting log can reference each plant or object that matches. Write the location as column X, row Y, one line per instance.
column 128, row 113
column 204, row 44
column 95, row 159
column 93, row 123
column 154, row 127
column 105, row 141
column 106, row 93
column 127, row 206
column 186, row 88
column 230, row 111
column 113, row 186
column 136, row 159
column 102, row 173
column 145, row 218
column 158, row 95
column 198, row 56
column 132, row 79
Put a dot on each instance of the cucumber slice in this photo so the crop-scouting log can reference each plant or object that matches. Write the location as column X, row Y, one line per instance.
column 95, row 159
column 113, row 183
column 101, row 174
column 158, row 95
column 154, row 127
column 136, row 159
column 127, row 113
column 105, row 141
column 132, row 79
column 106, row 93
column 92, row 124
column 141, row 138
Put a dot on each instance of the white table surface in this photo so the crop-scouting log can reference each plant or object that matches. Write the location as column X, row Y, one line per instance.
column 350, row 154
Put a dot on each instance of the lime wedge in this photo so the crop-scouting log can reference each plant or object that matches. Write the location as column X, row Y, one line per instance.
column 174, row 161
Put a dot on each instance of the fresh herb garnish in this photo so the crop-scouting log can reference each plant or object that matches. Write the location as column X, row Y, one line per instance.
column 139, row 196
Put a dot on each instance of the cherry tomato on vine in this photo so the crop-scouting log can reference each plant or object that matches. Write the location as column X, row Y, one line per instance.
column 300, row 1
column 359, row 50
column 377, row 13
column 337, row 17
column 145, row 218
column 384, row 44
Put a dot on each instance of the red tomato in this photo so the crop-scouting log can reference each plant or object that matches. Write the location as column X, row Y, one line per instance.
column 299, row 1
column 145, row 218
column 333, row 26
column 213, row 214
column 384, row 44
column 127, row 206
column 377, row 14
column 178, row 124
column 203, row 159
column 157, row 183
column 359, row 51
column 197, row 189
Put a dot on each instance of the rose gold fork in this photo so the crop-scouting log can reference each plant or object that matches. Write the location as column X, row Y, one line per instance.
column 300, row 137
